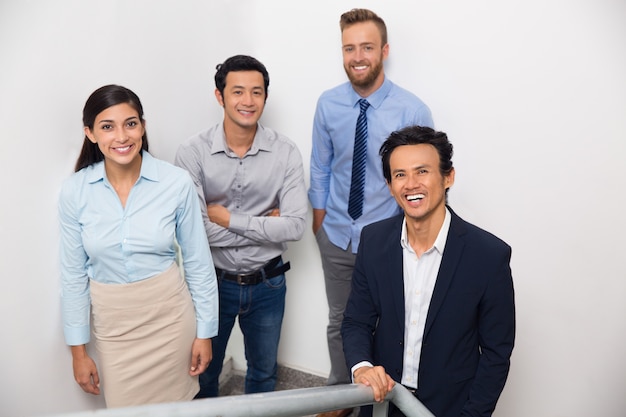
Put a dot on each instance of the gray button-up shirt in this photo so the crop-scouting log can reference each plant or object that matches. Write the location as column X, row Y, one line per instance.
column 270, row 175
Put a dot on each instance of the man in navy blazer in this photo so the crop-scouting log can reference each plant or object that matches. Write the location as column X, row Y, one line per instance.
column 432, row 303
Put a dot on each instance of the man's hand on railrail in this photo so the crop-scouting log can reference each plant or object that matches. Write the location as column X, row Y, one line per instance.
column 375, row 377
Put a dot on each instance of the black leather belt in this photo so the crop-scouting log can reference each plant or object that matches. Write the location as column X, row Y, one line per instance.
column 269, row 270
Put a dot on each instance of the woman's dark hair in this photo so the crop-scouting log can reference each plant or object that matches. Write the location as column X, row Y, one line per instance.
column 239, row 63
column 415, row 135
column 98, row 101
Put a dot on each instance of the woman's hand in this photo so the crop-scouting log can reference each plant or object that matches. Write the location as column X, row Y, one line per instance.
column 85, row 371
column 201, row 355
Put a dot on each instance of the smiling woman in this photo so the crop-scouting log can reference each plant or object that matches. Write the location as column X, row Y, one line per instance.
column 99, row 102
column 118, row 131
column 108, row 211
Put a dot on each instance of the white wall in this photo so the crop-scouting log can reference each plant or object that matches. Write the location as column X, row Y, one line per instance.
column 532, row 94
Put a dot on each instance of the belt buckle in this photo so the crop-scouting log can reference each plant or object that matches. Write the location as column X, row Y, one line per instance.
column 244, row 279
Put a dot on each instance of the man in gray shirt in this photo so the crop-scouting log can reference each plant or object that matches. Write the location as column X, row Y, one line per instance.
column 250, row 181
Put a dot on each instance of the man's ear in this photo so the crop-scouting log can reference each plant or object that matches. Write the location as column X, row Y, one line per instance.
column 219, row 97
column 448, row 180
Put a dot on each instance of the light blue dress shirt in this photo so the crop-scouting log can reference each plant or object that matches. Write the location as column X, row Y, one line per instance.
column 391, row 108
column 112, row 244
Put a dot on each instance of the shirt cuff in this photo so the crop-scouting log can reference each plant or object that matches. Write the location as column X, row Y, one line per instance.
column 206, row 330
column 318, row 201
column 239, row 223
column 357, row 366
column 76, row 336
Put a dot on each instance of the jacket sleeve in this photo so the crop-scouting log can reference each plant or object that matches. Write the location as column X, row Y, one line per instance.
column 496, row 333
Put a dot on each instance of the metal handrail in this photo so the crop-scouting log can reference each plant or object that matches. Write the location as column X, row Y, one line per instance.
column 288, row 403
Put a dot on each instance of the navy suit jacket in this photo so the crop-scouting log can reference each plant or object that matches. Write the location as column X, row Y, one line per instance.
column 470, row 325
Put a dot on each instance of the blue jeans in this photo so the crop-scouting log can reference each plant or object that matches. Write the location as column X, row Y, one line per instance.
column 260, row 308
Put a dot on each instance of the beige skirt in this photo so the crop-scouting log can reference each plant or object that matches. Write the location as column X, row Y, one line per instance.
column 143, row 335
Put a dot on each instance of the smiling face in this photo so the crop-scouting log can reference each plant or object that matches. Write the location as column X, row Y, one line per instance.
column 243, row 99
column 363, row 56
column 417, row 183
column 118, row 132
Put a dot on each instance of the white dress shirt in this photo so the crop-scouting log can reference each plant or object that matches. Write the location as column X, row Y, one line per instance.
column 420, row 275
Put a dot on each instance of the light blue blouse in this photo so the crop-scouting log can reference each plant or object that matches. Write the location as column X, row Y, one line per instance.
column 109, row 243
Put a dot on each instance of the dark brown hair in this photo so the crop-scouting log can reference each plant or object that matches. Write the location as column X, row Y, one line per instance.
column 98, row 101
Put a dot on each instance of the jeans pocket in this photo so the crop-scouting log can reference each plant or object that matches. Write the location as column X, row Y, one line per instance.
column 277, row 282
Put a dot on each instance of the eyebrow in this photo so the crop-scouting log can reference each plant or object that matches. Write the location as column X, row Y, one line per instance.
column 359, row 44
column 415, row 168
column 256, row 87
column 112, row 121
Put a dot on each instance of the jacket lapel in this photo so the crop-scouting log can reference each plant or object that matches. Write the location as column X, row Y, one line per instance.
column 395, row 269
column 451, row 256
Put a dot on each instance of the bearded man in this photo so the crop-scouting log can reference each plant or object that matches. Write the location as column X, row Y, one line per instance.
column 347, row 189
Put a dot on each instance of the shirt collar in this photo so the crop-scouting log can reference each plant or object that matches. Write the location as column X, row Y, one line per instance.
column 440, row 241
column 377, row 97
column 260, row 142
column 148, row 171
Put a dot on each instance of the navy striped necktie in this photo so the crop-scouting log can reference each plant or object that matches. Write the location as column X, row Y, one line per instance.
column 357, row 185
